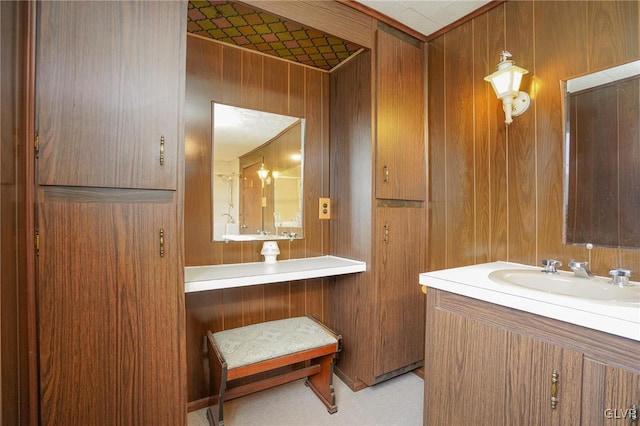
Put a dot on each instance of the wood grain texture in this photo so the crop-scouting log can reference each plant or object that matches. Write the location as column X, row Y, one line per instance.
column 97, row 309
column 459, row 156
column 457, row 354
column 379, row 312
column 110, row 97
column 596, row 370
column 400, row 334
column 567, row 36
column 531, row 364
column 436, row 156
column 332, row 17
column 352, row 160
column 525, row 176
column 17, row 318
column 220, row 73
column 400, row 139
column 609, row 392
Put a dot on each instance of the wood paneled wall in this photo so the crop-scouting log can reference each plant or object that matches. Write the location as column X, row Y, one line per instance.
column 17, row 372
column 216, row 72
column 496, row 191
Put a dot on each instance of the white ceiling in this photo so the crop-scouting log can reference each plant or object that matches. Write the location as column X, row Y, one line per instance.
column 425, row 16
column 237, row 131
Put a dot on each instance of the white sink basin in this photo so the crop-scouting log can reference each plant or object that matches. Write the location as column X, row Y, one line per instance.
column 567, row 284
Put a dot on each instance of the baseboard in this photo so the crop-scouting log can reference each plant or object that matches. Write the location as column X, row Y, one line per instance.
column 355, row 386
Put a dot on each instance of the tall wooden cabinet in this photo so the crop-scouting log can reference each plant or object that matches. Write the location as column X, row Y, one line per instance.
column 110, row 292
column 378, row 182
column 400, row 125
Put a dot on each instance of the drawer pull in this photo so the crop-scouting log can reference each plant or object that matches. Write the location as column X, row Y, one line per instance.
column 554, row 389
column 162, row 150
column 161, row 242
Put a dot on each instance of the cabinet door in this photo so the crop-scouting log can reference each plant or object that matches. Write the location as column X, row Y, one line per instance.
column 464, row 370
column 400, row 137
column 109, row 90
column 537, row 372
column 400, row 256
column 611, row 395
column 110, row 314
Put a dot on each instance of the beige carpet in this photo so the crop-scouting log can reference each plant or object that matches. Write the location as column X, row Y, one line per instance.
column 396, row 402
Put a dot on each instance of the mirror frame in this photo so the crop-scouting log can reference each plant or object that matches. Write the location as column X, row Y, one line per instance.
column 574, row 85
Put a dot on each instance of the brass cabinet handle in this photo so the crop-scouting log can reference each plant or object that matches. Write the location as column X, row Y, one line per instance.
column 162, row 150
column 554, row 389
column 161, row 242
column 385, row 170
column 386, row 233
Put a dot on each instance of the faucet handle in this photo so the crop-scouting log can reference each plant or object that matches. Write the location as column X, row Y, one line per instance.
column 550, row 266
column 620, row 277
column 574, row 264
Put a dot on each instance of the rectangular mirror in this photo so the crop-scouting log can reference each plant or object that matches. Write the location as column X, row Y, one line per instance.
column 602, row 157
column 256, row 174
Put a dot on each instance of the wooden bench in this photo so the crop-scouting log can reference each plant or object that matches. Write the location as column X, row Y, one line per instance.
column 246, row 351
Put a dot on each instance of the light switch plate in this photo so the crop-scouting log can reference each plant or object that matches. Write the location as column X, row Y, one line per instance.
column 324, row 208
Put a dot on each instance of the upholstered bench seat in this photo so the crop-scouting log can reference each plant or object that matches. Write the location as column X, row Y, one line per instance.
column 246, row 351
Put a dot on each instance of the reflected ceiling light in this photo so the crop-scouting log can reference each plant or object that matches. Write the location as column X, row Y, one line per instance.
column 506, row 83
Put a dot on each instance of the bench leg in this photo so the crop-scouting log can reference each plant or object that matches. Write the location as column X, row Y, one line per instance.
column 322, row 383
column 217, row 383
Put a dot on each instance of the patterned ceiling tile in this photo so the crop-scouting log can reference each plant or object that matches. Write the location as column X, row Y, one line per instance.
column 238, row 24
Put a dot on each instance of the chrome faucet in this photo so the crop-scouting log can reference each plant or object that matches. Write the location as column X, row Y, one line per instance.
column 620, row 277
column 550, row 266
column 581, row 269
column 229, row 217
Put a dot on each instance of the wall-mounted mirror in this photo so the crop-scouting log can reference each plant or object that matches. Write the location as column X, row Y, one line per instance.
column 256, row 174
column 602, row 157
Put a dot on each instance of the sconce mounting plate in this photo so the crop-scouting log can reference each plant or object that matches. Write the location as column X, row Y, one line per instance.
column 520, row 103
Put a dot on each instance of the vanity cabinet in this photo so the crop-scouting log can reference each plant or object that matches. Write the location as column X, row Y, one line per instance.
column 109, row 89
column 376, row 120
column 400, row 125
column 503, row 367
column 110, row 79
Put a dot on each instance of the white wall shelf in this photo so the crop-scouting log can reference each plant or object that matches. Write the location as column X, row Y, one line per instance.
column 216, row 277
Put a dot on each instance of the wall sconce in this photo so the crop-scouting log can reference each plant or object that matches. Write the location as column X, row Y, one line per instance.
column 265, row 175
column 506, row 83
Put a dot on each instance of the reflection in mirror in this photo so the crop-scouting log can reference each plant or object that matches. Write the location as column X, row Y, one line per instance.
column 602, row 158
column 256, row 174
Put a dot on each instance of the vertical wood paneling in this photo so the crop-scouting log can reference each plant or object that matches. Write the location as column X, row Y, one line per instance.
column 569, row 35
column 554, row 40
column 436, row 119
column 16, row 283
column 498, row 165
column 229, row 75
column 351, row 137
column 612, row 33
column 521, row 142
column 482, row 96
column 459, row 166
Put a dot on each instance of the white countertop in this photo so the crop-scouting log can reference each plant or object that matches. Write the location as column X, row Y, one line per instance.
column 473, row 281
column 215, row 277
